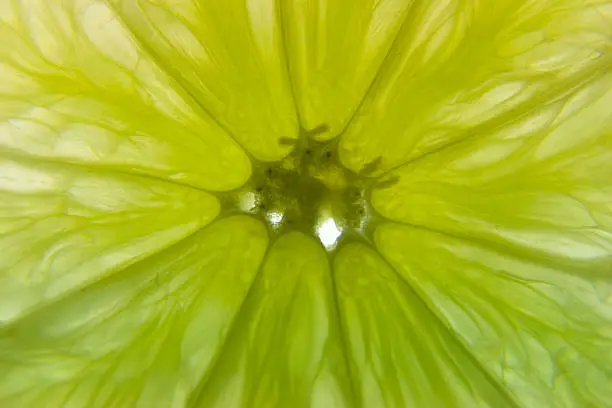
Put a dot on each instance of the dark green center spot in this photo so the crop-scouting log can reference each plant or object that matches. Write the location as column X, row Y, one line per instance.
column 309, row 190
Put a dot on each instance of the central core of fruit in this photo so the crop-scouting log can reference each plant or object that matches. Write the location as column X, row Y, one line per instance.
column 309, row 191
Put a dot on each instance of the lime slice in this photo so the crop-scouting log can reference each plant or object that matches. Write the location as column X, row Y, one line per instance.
column 256, row 203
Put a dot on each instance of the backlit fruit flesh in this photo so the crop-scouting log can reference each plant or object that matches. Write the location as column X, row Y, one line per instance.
column 305, row 203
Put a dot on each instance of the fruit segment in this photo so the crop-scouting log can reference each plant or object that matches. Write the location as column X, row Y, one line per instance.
column 63, row 227
column 142, row 337
column 540, row 188
column 460, row 70
column 542, row 331
column 334, row 51
column 400, row 353
column 76, row 87
column 285, row 350
column 227, row 55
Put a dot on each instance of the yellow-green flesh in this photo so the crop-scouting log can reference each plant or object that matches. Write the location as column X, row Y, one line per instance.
column 170, row 171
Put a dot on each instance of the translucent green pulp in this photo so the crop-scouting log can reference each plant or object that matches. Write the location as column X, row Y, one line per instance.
column 305, row 203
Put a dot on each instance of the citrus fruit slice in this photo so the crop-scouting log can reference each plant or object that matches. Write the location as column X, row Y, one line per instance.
column 266, row 203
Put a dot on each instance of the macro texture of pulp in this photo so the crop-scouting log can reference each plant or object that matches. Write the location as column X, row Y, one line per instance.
column 305, row 203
